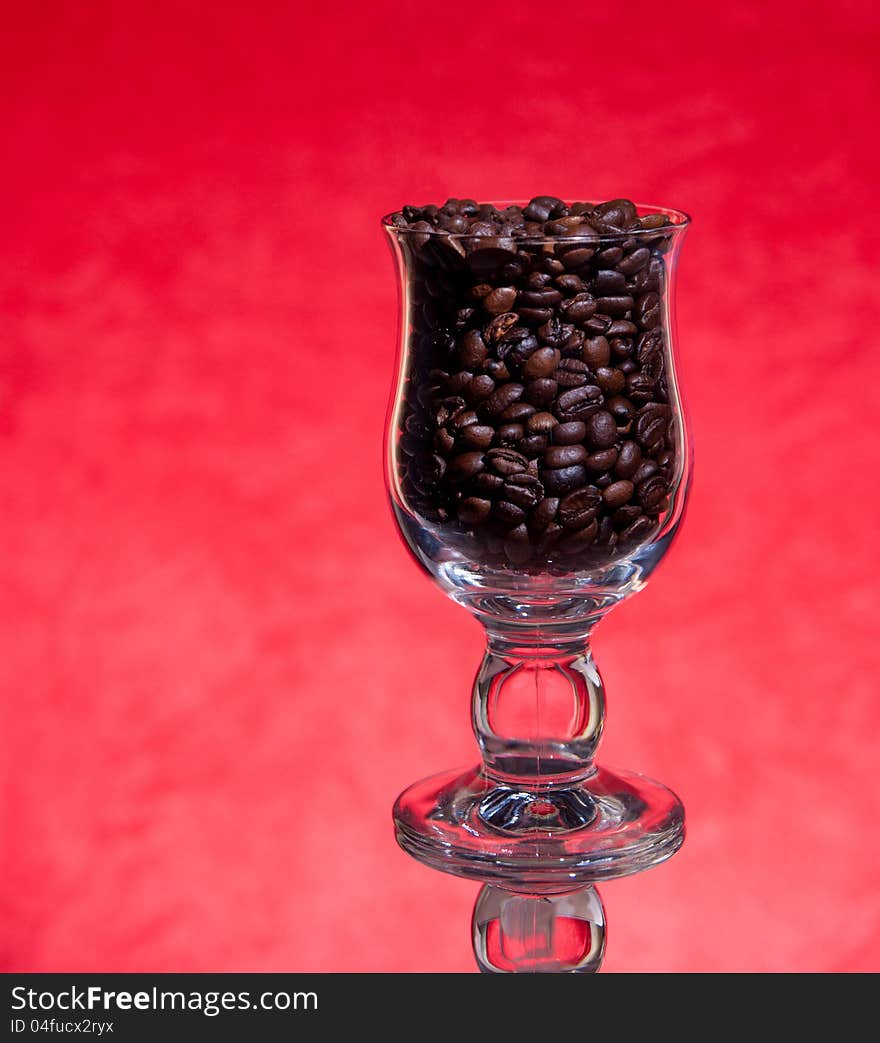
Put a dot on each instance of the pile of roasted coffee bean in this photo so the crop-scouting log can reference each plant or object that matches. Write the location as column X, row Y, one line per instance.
column 537, row 430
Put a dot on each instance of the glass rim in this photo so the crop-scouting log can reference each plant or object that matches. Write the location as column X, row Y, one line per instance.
column 680, row 221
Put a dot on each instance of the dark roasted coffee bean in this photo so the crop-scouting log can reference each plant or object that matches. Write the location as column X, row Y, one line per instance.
column 622, row 410
column 444, row 442
column 609, row 284
column 524, row 490
column 463, row 418
column 571, row 285
column 500, row 326
column 578, row 403
column 579, row 508
column 646, row 469
column 509, row 434
column 640, row 387
column 501, row 398
column 666, row 462
column 538, row 279
column 571, row 373
column 565, row 455
column 541, row 363
column 474, row 511
column 597, row 352
column 563, row 480
column 635, row 261
column 517, row 413
column 598, row 325
column 614, row 306
column 465, row 466
column 650, row 344
column 473, row 351
column 649, row 428
column 614, row 215
column 621, row 348
column 480, row 292
column 496, row 370
column 517, row 546
column 610, row 380
column 542, row 208
column 499, row 300
column 627, row 366
column 541, row 392
column 516, row 345
column 479, row 387
column 554, row 332
column 546, row 297
column 638, row 532
column 448, row 408
column 576, row 256
column 533, row 445
column 541, row 423
column 580, row 539
column 535, row 316
column 476, row 436
column 544, row 512
column 507, row 514
column 602, row 460
column 506, row 461
column 622, row 328
column 626, row 515
column 616, row 494
column 652, row 491
column 487, row 485
column 609, row 257
column 578, row 309
column 647, row 311
column 570, row 433
column 602, row 430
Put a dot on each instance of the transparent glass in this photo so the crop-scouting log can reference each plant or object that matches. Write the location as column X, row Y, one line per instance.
column 538, row 463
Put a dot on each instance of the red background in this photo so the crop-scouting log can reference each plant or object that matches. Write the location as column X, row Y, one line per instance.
column 221, row 664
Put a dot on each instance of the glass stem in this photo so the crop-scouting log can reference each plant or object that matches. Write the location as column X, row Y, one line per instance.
column 538, row 709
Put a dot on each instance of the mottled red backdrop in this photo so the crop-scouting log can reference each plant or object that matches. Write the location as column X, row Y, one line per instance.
column 220, row 664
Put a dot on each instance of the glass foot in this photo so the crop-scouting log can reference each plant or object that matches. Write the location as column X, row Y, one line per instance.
column 538, row 934
column 545, row 840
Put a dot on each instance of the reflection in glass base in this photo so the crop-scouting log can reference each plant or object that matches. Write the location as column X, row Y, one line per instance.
column 538, row 934
column 543, row 841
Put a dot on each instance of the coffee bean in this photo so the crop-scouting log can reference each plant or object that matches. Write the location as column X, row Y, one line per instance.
column 571, row 285
column 602, row 460
column 579, row 308
column 546, row 297
column 628, row 460
column 544, row 512
column 444, row 442
column 497, row 370
column 651, row 492
column 565, row 455
column 524, row 490
column 622, row 328
column 635, row 262
column 541, row 363
column 638, row 532
column 479, row 387
column 517, row 413
column 614, row 306
column 610, row 380
column 476, row 436
column 500, row 300
column 563, row 480
column 487, row 485
column 499, row 326
column 465, row 466
column 609, row 257
column 647, row 312
column 626, row 515
column 533, row 445
column 617, row 493
column 578, row 403
column 579, row 508
column 509, row 434
column 474, row 511
column 597, row 352
column 501, row 398
column 535, row 316
column 602, row 430
column 463, row 418
column 540, row 392
column 541, row 423
column 507, row 514
column 571, row 373
column 506, row 461
column 649, row 428
column 541, row 208
column 640, row 387
column 570, row 433
column 579, row 541
column 646, row 469
column 609, row 284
